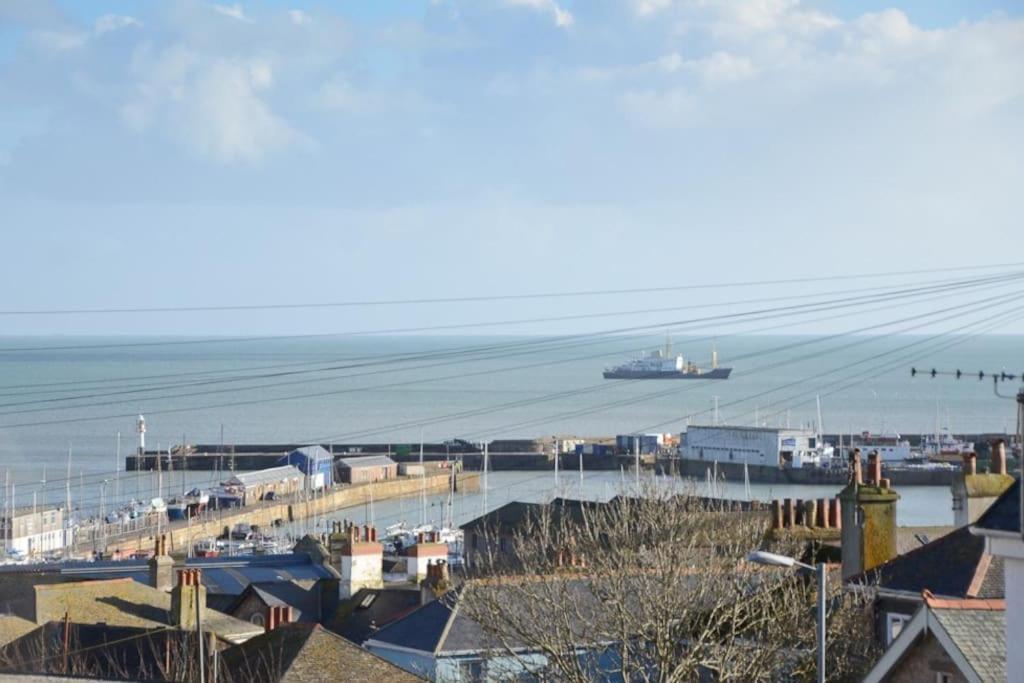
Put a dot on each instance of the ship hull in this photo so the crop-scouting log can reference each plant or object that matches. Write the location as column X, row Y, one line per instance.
column 717, row 373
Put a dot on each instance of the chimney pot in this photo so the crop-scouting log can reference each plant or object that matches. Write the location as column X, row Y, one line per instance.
column 789, row 515
column 822, row 520
column 997, row 463
column 971, row 463
column 776, row 514
column 857, row 474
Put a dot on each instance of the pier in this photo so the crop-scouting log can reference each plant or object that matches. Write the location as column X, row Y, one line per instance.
column 182, row 534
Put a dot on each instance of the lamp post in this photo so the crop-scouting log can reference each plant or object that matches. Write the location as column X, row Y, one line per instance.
column 762, row 557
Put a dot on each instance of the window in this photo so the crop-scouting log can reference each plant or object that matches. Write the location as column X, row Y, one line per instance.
column 943, row 677
column 893, row 625
column 257, row 619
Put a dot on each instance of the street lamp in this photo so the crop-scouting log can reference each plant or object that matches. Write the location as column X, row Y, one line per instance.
column 771, row 559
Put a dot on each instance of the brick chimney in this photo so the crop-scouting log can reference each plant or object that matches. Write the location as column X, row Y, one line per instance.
column 161, row 566
column 429, row 548
column 867, row 517
column 277, row 615
column 184, row 598
column 973, row 491
column 358, row 557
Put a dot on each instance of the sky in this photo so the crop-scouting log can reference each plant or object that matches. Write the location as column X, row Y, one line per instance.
column 193, row 153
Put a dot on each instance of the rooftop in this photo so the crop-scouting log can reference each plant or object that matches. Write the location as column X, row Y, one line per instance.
column 371, row 609
column 365, row 461
column 1004, row 514
column 123, row 602
column 267, row 476
column 307, row 652
column 954, row 565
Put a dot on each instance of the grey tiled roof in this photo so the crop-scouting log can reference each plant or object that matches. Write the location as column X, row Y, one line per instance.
column 980, row 634
column 297, row 653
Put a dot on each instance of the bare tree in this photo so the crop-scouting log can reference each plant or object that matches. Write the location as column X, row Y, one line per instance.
column 652, row 588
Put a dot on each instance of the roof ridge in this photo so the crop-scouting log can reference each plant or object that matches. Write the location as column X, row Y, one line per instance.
column 961, row 603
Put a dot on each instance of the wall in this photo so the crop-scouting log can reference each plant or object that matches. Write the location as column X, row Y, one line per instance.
column 1015, row 617
column 922, row 662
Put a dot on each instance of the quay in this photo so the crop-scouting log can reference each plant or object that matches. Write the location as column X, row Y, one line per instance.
column 182, row 534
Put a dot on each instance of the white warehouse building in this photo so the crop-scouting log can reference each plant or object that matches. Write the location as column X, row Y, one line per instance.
column 751, row 445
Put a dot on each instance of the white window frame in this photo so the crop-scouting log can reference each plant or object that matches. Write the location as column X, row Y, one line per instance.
column 894, row 619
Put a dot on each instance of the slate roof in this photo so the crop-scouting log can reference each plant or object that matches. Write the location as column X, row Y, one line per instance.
column 980, row 635
column 423, row 629
column 365, row 461
column 1004, row 514
column 300, row 653
column 305, row 603
column 509, row 516
column 100, row 652
column 220, row 575
column 949, row 566
column 123, row 602
column 357, row 623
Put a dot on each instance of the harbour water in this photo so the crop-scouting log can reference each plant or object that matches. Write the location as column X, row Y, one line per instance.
column 386, row 390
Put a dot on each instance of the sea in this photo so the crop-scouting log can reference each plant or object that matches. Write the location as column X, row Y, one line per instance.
column 72, row 403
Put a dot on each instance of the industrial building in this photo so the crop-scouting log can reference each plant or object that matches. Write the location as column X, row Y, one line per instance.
column 266, row 484
column 361, row 470
column 751, row 445
column 316, row 463
column 30, row 530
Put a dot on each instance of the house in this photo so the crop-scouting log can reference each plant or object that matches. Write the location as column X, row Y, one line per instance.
column 316, row 463
column 955, row 566
column 124, row 602
column 298, row 653
column 34, row 530
column 371, row 609
column 366, row 468
column 1000, row 526
column 947, row 641
column 313, row 604
column 273, row 482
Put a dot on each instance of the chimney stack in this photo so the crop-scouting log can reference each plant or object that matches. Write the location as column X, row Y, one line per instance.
column 161, row 566
column 973, row 491
column 359, row 559
column 867, row 519
column 419, row 556
column 185, row 597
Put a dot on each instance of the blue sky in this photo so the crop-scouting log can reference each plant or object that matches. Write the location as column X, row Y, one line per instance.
column 180, row 153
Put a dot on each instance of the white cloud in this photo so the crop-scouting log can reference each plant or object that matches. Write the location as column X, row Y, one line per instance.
column 212, row 105
column 234, row 11
column 562, row 17
column 59, row 41
column 114, row 22
column 299, row 18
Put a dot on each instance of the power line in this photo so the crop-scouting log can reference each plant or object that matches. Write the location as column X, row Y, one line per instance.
column 817, row 306
column 407, row 330
column 485, row 298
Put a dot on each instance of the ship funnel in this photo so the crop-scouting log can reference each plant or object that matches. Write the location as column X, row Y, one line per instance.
column 714, row 358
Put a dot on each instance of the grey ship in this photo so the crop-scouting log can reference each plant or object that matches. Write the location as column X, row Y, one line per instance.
column 661, row 364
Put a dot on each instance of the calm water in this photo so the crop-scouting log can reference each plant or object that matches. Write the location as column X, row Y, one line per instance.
column 511, row 390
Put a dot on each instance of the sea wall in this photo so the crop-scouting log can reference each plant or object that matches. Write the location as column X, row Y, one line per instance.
column 180, row 534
